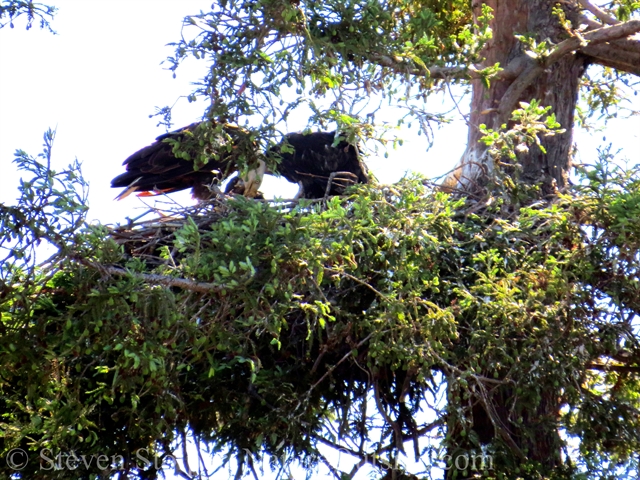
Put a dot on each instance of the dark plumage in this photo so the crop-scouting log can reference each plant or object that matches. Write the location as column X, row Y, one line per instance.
column 156, row 169
column 315, row 163
column 309, row 160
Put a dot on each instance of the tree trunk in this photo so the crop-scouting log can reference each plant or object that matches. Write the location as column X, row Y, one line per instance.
column 556, row 86
column 535, row 437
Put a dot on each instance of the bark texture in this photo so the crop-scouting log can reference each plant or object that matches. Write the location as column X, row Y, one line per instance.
column 555, row 86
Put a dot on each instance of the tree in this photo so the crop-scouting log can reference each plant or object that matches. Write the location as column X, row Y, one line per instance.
column 488, row 325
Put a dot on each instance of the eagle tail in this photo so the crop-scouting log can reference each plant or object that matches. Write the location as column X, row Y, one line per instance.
column 126, row 192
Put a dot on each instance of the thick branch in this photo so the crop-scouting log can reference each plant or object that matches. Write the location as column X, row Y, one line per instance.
column 592, row 24
column 627, row 44
column 623, row 55
column 601, row 35
column 610, row 56
column 533, row 71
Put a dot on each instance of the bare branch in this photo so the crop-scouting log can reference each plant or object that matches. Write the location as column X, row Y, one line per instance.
column 510, row 72
column 628, row 44
column 600, row 14
column 622, row 54
column 399, row 66
column 604, row 34
column 447, row 73
column 397, row 429
column 516, row 89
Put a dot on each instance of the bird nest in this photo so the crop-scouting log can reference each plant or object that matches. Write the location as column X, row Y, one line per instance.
column 143, row 238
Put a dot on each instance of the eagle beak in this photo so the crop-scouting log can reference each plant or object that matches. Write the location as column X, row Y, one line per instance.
column 253, row 180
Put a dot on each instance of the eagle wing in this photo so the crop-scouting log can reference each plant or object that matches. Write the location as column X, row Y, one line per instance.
column 156, row 169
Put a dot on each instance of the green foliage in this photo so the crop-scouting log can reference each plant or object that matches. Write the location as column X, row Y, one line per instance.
column 348, row 50
column 624, row 9
column 206, row 142
column 51, row 208
column 290, row 319
column 604, row 94
column 261, row 330
column 532, row 122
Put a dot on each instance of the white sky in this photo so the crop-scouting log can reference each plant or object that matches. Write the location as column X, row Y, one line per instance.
column 101, row 77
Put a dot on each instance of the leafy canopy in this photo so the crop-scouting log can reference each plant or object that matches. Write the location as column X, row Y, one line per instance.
column 290, row 320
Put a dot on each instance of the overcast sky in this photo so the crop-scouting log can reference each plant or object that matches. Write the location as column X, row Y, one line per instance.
column 98, row 80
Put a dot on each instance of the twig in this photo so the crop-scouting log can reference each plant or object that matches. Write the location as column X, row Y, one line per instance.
column 332, row 369
column 357, row 280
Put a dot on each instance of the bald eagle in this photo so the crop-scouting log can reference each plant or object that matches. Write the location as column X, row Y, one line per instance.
column 318, row 166
column 198, row 157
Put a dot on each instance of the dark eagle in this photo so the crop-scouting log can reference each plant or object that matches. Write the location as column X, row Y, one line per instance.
column 199, row 157
column 318, row 166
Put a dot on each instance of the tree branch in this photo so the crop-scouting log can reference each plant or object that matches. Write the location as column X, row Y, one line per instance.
column 613, row 368
column 627, row 44
column 600, row 14
column 510, row 72
column 622, row 54
column 589, row 22
column 576, row 43
column 601, row 35
column 398, row 66
column 518, row 68
column 611, row 55
column 183, row 283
